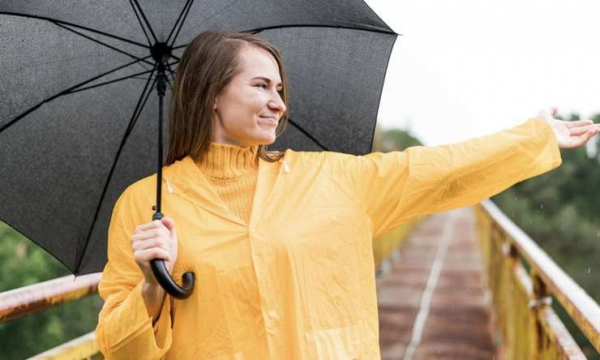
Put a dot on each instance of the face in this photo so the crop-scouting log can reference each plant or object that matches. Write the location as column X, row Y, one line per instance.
column 248, row 109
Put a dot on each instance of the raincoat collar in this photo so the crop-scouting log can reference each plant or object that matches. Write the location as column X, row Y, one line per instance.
column 224, row 161
column 183, row 178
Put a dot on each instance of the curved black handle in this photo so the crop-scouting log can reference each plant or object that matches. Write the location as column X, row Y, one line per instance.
column 166, row 281
column 159, row 269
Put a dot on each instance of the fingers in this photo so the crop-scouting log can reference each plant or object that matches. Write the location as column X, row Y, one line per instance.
column 169, row 223
column 587, row 136
column 583, row 129
column 581, row 140
column 150, row 243
column 578, row 123
column 165, row 223
column 150, row 233
column 150, row 225
column 151, row 254
column 153, row 235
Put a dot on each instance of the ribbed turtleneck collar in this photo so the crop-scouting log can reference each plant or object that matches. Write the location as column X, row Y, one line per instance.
column 224, row 161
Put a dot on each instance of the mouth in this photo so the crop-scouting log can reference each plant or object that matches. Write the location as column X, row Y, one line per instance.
column 272, row 120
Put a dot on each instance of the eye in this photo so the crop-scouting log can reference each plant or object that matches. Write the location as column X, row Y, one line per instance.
column 262, row 86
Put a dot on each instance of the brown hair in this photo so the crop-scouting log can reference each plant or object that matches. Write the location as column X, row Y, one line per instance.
column 208, row 64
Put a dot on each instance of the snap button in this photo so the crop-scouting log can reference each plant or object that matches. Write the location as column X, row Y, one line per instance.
column 273, row 315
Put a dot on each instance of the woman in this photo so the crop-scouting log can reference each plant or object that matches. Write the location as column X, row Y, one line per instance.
column 280, row 243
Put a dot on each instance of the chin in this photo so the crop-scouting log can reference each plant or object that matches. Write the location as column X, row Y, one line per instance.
column 268, row 140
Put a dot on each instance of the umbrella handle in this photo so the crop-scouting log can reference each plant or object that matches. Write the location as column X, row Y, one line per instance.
column 166, row 281
column 159, row 269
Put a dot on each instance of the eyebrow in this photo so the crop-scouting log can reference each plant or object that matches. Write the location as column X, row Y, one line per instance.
column 267, row 80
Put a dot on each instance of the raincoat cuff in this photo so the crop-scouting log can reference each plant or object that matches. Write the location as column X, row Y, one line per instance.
column 550, row 157
column 157, row 336
column 160, row 333
column 162, row 327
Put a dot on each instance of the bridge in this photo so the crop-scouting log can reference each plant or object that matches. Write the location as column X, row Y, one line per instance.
column 466, row 284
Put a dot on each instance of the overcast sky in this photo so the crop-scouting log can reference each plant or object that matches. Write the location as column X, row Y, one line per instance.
column 466, row 68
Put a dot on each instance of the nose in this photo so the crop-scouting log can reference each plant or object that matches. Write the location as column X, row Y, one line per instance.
column 276, row 103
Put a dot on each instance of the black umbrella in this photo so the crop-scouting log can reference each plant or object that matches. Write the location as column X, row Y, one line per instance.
column 78, row 90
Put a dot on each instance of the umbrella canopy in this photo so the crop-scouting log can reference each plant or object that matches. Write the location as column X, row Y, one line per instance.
column 78, row 113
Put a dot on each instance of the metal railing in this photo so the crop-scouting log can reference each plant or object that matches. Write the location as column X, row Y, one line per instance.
column 521, row 298
column 37, row 297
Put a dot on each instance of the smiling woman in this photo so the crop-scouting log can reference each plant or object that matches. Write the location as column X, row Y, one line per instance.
column 282, row 250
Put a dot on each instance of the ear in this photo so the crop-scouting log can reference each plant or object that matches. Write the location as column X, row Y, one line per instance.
column 215, row 105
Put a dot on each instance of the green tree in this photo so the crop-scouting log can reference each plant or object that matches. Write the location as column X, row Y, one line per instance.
column 394, row 140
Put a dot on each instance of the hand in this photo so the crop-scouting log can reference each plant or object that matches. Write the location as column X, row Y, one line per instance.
column 155, row 240
column 570, row 134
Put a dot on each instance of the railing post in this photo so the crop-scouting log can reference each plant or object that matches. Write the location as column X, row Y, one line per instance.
column 540, row 299
column 512, row 336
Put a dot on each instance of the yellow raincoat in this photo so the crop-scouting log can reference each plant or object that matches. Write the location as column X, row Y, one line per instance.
column 298, row 281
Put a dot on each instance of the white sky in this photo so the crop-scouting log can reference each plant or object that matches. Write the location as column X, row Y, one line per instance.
column 466, row 68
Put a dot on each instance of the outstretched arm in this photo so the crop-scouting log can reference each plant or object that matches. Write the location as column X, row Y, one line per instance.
column 397, row 186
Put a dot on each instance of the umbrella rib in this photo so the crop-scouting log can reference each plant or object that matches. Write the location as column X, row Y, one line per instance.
column 146, row 21
column 257, row 30
column 136, row 113
column 76, row 26
column 188, row 3
column 171, row 71
column 104, row 44
column 64, row 92
column 138, row 110
column 140, row 22
column 307, row 134
column 376, row 30
column 111, row 81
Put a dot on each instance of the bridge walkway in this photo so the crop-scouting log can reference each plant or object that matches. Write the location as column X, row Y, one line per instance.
column 433, row 299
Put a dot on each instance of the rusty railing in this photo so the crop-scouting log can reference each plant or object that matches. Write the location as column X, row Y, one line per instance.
column 33, row 298
column 521, row 299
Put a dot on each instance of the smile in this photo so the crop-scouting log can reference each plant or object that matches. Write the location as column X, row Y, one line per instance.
column 270, row 120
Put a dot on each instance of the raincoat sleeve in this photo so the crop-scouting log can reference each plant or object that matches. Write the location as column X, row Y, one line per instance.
column 125, row 330
column 397, row 186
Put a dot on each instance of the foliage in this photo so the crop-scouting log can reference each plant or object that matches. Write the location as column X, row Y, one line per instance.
column 393, row 140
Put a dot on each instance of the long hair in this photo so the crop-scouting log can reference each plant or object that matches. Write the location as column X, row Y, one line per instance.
column 208, row 64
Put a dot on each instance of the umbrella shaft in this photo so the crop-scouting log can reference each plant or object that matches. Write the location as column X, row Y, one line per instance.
column 161, row 85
